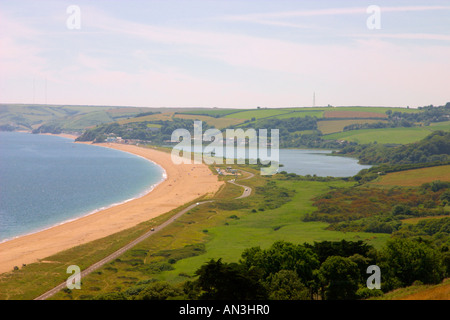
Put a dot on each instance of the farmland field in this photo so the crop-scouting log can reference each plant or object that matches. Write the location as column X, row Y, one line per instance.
column 415, row 177
column 388, row 135
column 219, row 123
column 353, row 114
column 211, row 112
column 152, row 117
column 257, row 114
column 333, row 126
column 375, row 109
column 299, row 114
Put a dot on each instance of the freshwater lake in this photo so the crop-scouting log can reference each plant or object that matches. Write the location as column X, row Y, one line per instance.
column 303, row 161
column 318, row 162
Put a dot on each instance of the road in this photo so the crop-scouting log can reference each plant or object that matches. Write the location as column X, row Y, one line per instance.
column 247, row 190
column 116, row 254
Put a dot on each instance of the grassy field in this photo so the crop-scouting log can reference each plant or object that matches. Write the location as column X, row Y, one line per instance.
column 353, row 114
column 300, row 114
column 421, row 292
column 381, row 110
column 417, row 219
column 333, row 126
column 210, row 112
column 219, row 123
column 415, row 177
column 389, row 135
column 166, row 116
column 257, row 114
column 264, row 228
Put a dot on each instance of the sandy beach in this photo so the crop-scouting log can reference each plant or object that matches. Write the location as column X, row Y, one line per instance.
column 184, row 183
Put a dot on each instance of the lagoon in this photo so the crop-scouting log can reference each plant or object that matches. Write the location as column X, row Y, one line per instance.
column 304, row 162
column 318, row 162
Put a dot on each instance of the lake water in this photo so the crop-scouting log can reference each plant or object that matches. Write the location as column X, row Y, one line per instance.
column 300, row 161
column 318, row 162
column 47, row 180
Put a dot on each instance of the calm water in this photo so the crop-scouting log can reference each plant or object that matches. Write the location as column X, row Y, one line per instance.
column 304, row 162
column 46, row 180
column 318, row 162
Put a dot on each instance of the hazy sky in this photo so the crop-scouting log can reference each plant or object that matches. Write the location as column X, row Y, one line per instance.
column 228, row 53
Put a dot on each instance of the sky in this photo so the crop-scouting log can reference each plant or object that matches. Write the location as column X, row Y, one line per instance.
column 225, row 54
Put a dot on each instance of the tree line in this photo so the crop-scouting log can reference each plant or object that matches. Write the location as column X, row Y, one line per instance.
column 329, row 270
column 433, row 148
column 396, row 119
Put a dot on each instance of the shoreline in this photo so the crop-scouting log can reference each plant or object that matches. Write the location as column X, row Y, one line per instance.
column 142, row 194
column 181, row 184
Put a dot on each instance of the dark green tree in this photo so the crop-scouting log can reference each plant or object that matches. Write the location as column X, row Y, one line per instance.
column 159, row 290
column 228, row 281
column 283, row 256
column 286, row 285
column 404, row 261
column 339, row 277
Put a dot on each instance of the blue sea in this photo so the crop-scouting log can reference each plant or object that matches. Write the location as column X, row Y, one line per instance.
column 49, row 180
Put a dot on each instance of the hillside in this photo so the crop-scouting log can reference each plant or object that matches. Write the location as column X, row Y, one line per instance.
column 334, row 126
column 63, row 118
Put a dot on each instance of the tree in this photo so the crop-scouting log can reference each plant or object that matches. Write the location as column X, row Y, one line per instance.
column 283, row 256
column 286, row 285
column 159, row 290
column 404, row 261
column 339, row 277
column 228, row 281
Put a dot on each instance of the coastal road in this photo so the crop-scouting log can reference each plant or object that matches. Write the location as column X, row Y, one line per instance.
column 247, row 190
column 116, row 254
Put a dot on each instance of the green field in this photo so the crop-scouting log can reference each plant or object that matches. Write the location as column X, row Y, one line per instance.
column 264, row 228
column 219, row 123
column 415, row 177
column 257, row 114
column 388, row 135
column 296, row 114
column 374, row 109
column 283, row 113
column 333, row 126
column 210, row 112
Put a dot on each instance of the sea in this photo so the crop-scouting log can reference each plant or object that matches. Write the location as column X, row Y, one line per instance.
column 49, row 180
